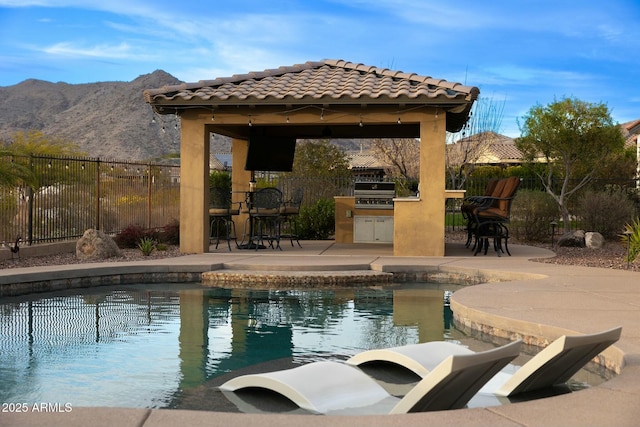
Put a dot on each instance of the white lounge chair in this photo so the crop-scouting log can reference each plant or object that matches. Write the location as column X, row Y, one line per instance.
column 337, row 388
column 554, row 365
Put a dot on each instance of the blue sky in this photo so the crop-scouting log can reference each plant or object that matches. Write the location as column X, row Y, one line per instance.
column 519, row 53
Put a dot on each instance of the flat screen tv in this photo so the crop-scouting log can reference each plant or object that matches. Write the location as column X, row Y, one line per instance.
column 269, row 153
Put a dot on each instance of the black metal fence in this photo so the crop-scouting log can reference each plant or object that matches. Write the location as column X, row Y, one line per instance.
column 75, row 194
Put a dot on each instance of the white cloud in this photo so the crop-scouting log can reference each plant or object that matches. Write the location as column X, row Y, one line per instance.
column 121, row 51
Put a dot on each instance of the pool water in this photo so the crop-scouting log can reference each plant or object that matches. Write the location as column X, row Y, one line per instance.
column 146, row 346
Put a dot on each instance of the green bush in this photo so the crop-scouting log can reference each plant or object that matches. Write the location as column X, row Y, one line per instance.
column 147, row 245
column 317, row 222
column 606, row 212
column 531, row 215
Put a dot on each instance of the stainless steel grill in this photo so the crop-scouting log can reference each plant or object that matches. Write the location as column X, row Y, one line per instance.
column 374, row 195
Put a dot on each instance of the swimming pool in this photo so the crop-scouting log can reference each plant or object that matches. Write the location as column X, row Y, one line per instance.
column 157, row 346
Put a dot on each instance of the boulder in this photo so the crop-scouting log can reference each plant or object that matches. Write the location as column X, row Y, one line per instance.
column 593, row 240
column 94, row 244
column 574, row 239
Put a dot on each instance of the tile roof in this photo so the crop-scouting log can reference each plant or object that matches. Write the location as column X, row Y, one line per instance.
column 630, row 132
column 332, row 81
column 492, row 148
column 365, row 160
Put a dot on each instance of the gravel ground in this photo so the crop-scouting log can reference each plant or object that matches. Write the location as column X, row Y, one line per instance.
column 70, row 258
column 610, row 256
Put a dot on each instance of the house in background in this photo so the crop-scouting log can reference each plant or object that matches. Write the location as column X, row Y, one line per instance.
column 366, row 166
column 485, row 149
column 220, row 161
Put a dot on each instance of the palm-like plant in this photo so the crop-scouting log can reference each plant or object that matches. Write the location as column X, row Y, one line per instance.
column 13, row 173
column 631, row 238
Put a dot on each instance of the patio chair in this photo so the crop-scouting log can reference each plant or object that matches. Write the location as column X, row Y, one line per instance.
column 552, row 366
column 265, row 214
column 490, row 218
column 289, row 212
column 221, row 212
column 337, row 388
column 471, row 202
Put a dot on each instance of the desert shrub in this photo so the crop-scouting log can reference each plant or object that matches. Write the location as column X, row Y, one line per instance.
column 147, row 245
column 631, row 239
column 317, row 222
column 531, row 215
column 606, row 212
column 170, row 233
column 131, row 236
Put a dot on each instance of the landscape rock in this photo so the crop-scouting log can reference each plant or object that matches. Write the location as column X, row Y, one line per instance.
column 593, row 240
column 95, row 245
column 573, row 239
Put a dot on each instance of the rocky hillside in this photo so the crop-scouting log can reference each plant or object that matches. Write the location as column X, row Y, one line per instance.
column 106, row 119
column 109, row 120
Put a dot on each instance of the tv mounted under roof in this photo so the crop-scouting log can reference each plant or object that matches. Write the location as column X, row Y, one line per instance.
column 270, row 153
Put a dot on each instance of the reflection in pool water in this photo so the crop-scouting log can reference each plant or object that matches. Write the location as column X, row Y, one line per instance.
column 143, row 346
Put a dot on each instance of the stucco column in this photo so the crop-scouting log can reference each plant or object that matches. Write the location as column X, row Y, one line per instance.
column 419, row 224
column 239, row 181
column 194, row 187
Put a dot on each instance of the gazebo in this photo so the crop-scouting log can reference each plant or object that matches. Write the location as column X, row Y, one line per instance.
column 325, row 99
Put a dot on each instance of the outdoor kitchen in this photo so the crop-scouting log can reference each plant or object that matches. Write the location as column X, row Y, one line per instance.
column 367, row 216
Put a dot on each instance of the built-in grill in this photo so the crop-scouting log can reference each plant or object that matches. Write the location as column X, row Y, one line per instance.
column 374, row 195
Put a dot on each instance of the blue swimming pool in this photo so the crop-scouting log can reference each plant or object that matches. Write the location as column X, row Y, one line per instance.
column 151, row 345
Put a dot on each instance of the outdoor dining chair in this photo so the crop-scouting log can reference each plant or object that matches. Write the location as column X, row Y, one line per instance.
column 265, row 215
column 221, row 212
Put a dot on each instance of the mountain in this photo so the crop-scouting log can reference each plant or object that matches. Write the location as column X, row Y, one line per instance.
column 107, row 119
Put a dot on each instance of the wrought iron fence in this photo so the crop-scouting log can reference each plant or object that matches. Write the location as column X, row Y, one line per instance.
column 74, row 194
column 476, row 186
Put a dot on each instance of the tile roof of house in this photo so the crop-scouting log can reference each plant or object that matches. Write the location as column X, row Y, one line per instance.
column 493, row 148
column 630, row 131
column 328, row 80
column 365, row 160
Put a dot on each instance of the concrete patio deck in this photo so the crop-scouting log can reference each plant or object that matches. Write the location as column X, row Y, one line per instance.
column 520, row 298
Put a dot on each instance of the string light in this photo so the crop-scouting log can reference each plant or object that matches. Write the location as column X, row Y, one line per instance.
column 287, row 114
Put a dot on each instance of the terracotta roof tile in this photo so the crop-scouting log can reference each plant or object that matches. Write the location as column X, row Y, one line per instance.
column 329, row 80
column 365, row 160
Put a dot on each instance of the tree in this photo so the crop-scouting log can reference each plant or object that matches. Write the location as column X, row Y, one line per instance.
column 403, row 156
column 37, row 143
column 463, row 151
column 13, row 173
column 320, row 168
column 575, row 139
column 320, row 158
column 14, row 154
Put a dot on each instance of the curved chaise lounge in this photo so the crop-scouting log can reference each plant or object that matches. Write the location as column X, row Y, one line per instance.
column 337, row 388
column 552, row 366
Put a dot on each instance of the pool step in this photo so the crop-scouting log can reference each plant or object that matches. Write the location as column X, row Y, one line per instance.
column 243, row 278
